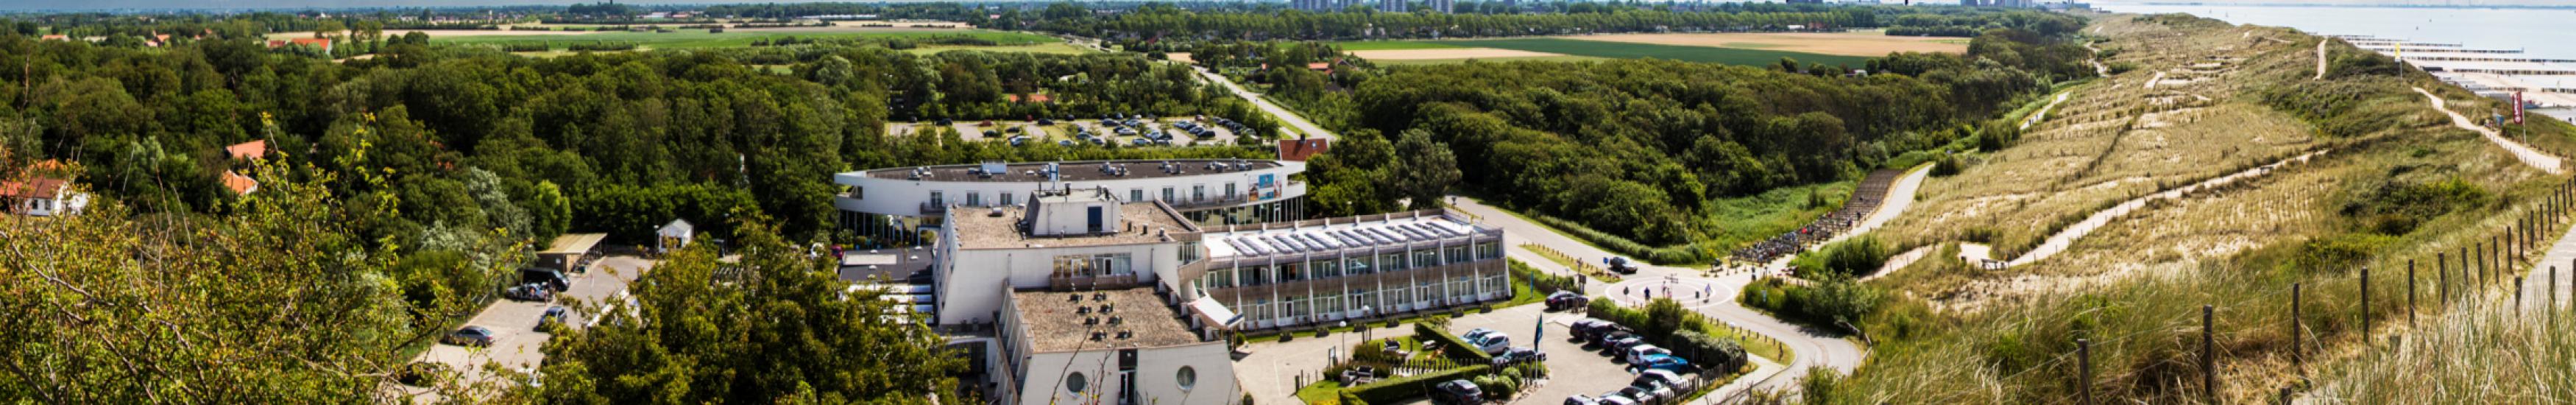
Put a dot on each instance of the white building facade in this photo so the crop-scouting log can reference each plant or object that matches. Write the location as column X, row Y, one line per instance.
column 898, row 202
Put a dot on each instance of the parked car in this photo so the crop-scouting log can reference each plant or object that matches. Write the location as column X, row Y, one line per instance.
column 1642, row 394
column 1615, row 398
column 1522, row 354
column 1604, row 338
column 1493, row 343
column 1064, row 142
column 551, row 278
column 1620, row 265
column 1638, row 353
column 1663, row 362
column 553, row 316
column 1621, row 346
column 1566, row 300
column 1653, row 388
column 1019, row 140
column 1668, row 377
column 1580, row 399
column 528, row 292
column 1457, row 392
column 470, row 336
column 1582, row 329
column 1473, row 334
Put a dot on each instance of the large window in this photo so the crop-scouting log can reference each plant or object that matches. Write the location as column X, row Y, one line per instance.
column 1198, row 192
column 1229, row 190
column 1105, row 264
column 1489, row 251
column 1006, row 199
column 1135, row 195
column 1167, row 195
column 1392, row 262
column 936, row 200
column 1426, row 258
column 1356, row 265
column 974, row 199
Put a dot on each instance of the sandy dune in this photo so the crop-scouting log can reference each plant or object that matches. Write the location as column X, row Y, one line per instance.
column 1446, row 53
column 1852, row 44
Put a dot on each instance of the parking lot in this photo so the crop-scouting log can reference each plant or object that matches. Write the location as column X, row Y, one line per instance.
column 1270, row 373
column 515, row 322
column 1055, row 131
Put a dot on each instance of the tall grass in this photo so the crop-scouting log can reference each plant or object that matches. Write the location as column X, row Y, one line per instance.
column 2491, row 353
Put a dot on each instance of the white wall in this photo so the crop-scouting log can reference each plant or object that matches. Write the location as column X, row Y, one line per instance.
column 975, row 281
column 1156, row 375
column 904, row 197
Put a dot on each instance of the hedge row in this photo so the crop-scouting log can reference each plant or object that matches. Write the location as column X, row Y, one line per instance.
column 1666, row 324
column 1401, row 389
column 1463, row 351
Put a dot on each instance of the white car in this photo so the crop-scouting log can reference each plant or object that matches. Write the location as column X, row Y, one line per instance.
column 1473, row 334
column 1667, row 377
column 1637, row 354
column 1493, row 343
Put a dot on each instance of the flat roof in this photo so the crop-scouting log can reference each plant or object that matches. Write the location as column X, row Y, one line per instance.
column 978, row 229
column 1080, row 171
column 1064, row 321
column 573, row 244
column 1338, row 234
column 884, row 264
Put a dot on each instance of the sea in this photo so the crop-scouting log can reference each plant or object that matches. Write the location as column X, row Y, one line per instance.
column 2538, row 32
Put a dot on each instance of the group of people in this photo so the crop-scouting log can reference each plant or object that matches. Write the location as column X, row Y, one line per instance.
column 1865, row 199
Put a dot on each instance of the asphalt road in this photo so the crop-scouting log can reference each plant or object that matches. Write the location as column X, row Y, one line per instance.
column 1814, row 348
column 1294, row 121
column 1272, row 371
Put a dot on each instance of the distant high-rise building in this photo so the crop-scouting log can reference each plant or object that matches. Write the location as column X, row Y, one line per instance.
column 1439, row 6
column 1392, row 6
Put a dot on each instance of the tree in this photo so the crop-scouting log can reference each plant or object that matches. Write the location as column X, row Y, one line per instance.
column 775, row 325
column 1427, row 168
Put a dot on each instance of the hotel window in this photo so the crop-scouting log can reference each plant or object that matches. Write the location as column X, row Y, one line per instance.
column 1356, row 265
column 1458, row 254
column 1392, row 262
column 935, row 199
column 1135, row 195
column 1326, row 268
column 1006, row 199
column 1167, row 194
column 1229, row 190
column 1198, row 192
column 1489, row 251
column 1426, row 258
column 974, row 199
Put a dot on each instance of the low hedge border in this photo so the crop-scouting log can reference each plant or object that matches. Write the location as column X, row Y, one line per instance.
column 1400, row 389
column 1466, row 353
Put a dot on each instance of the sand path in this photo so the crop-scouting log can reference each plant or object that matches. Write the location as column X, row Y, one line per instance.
column 2043, row 111
column 2321, row 59
column 2528, row 156
column 2065, row 238
column 2098, row 68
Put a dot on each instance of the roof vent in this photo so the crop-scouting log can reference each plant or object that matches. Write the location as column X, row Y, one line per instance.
column 1114, row 320
column 1123, row 335
column 1099, row 296
column 1091, row 320
column 1077, row 297
column 997, row 212
column 1098, row 336
column 1082, row 310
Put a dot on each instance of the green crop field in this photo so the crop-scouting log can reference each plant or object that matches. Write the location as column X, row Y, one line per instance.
column 1606, row 49
column 1391, row 45
column 702, row 39
column 1560, row 58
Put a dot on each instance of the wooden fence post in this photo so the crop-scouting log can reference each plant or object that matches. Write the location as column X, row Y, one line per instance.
column 2443, row 285
column 2208, row 352
column 2410, row 293
column 2084, row 357
column 2365, row 302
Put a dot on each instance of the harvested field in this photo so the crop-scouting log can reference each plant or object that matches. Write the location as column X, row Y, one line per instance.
column 1865, row 43
column 1626, row 50
column 1446, row 53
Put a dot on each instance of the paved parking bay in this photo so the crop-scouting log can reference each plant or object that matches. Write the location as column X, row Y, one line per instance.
column 516, row 321
column 1271, row 372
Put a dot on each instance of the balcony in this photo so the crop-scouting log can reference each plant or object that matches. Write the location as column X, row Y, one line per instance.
column 1210, row 202
column 933, row 208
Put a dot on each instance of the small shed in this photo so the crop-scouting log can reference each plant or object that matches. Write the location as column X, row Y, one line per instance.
column 569, row 251
column 673, row 236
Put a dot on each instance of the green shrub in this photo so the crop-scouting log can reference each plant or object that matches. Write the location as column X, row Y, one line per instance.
column 1401, row 389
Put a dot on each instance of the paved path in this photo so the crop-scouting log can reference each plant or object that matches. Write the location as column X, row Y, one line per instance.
column 1814, row 348
column 2526, row 154
column 1294, row 121
column 2043, row 111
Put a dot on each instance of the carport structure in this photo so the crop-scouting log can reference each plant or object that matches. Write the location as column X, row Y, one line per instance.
column 567, row 251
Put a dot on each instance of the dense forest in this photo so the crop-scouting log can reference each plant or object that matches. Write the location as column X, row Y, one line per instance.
column 1635, row 147
column 1146, row 25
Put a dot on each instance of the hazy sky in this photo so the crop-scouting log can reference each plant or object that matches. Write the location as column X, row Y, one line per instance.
column 305, row 4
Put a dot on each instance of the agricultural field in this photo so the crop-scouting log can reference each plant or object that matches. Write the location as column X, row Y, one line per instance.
column 686, row 39
column 1856, row 43
column 1621, row 50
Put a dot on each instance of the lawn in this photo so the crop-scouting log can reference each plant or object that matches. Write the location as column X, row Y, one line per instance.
column 1604, row 49
column 1391, row 45
column 1048, row 48
column 1747, row 219
column 683, row 39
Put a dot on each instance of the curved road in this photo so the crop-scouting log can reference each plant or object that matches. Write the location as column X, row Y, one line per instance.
column 1814, row 348
column 1296, row 122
